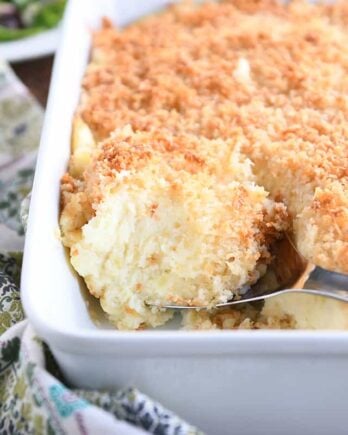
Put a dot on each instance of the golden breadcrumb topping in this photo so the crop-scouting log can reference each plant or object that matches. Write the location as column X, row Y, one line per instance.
column 271, row 74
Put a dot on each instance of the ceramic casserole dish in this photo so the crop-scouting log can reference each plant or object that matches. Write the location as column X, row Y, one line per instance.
column 241, row 382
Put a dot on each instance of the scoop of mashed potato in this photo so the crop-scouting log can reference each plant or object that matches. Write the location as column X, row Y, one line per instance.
column 172, row 220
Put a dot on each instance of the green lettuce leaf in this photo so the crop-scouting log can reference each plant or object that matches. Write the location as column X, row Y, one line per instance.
column 48, row 16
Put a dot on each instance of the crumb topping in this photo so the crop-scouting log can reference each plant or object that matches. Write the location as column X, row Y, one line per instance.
column 216, row 70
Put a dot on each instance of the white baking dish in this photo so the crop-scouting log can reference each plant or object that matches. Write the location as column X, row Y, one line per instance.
column 229, row 382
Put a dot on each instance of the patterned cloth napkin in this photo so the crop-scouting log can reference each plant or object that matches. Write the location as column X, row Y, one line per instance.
column 33, row 396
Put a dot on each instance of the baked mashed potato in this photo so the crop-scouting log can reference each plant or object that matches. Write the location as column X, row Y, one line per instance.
column 172, row 220
column 187, row 120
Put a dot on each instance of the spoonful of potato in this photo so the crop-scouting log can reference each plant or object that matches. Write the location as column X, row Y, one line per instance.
column 288, row 272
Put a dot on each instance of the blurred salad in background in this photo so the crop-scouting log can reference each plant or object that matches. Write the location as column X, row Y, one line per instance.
column 22, row 18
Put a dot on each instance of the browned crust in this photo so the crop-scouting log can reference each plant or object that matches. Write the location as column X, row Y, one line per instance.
column 175, row 71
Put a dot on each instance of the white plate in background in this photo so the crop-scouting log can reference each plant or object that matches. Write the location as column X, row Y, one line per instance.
column 42, row 44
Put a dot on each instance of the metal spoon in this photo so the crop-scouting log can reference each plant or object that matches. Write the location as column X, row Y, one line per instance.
column 288, row 272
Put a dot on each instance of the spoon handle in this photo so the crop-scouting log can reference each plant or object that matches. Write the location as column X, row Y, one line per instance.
column 340, row 295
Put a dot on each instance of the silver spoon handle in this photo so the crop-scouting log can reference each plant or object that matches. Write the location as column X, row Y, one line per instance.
column 340, row 295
